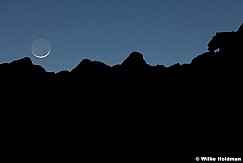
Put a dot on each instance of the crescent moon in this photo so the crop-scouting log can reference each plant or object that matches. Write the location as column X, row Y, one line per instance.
column 40, row 48
column 43, row 55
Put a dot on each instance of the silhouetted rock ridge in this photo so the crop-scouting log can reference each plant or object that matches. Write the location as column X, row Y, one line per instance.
column 196, row 105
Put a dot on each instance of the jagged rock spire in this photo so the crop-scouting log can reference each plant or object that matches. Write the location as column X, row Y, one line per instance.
column 135, row 59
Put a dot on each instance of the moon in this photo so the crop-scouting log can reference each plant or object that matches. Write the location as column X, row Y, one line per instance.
column 41, row 48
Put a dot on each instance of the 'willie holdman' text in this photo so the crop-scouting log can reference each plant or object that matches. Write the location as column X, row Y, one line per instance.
column 220, row 159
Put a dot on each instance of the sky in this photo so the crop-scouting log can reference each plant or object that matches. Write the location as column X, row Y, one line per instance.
column 166, row 32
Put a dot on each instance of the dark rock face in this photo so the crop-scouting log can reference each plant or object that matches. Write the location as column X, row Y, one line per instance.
column 229, row 45
column 185, row 104
column 134, row 60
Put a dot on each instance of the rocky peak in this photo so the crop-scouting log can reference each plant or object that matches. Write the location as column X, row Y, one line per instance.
column 135, row 59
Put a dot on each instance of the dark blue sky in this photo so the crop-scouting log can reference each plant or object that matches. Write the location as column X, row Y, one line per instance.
column 164, row 31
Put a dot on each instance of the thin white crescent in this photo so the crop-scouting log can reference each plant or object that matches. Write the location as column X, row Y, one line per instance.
column 43, row 55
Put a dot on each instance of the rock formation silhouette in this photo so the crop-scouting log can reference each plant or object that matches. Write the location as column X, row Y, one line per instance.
column 195, row 105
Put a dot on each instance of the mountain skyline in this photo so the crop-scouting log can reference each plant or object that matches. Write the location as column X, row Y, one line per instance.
column 129, row 110
column 135, row 57
column 165, row 32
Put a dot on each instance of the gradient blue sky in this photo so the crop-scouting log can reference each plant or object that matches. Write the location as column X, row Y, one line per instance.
column 164, row 31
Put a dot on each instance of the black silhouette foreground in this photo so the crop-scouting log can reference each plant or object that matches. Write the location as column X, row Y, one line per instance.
column 131, row 111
